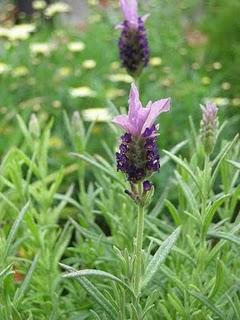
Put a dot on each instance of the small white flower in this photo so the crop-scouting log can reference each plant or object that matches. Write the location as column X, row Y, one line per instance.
column 40, row 48
column 19, row 32
column 56, row 8
column 96, row 115
column 155, row 61
column 89, row 64
column 120, row 78
column 76, row 46
column 82, row 92
column 39, row 4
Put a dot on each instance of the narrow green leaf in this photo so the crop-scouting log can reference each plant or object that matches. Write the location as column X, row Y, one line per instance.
column 96, row 316
column 177, row 304
column 174, row 150
column 9, row 202
column 225, row 236
column 160, row 203
column 99, row 166
column 175, row 249
column 188, row 193
column 173, row 211
column 91, row 235
column 24, row 130
column 222, row 156
column 96, row 273
column 14, row 229
column 5, row 272
column 160, row 256
column 184, row 166
column 234, row 163
column 25, row 284
column 211, row 212
column 200, row 297
column 235, row 306
column 218, row 279
column 95, row 294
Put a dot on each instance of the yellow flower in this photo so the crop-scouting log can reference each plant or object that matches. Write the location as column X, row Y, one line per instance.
column 93, row 2
column 217, row 65
column 56, row 104
column 64, row 72
column 226, row 85
column 236, row 102
column 89, row 64
column 114, row 93
column 76, row 46
column 166, row 82
column 55, row 142
column 82, row 92
column 20, row 71
column 115, row 65
column 56, row 8
column 155, row 61
column 221, row 101
column 120, row 77
column 205, row 81
column 4, row 68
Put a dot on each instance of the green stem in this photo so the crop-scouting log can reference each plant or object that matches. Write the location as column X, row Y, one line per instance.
column 138, row 254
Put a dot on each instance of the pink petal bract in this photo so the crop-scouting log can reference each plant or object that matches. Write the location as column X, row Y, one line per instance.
column 139, row 118
column 156, row 108
column 129, row 9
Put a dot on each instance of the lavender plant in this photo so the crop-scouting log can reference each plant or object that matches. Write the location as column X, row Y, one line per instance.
column 198, row 280
column 138, row 159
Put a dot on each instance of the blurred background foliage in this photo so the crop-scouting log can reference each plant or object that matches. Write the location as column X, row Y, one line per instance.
column 194, row 49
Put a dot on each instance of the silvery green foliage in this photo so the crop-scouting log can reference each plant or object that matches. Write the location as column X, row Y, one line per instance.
column 191, row 241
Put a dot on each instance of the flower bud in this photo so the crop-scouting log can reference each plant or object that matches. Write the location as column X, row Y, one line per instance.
column 133, row 47
column 208, row 127
column 33, row 126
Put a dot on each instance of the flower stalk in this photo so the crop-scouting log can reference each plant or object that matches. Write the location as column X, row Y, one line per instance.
column 137, row 277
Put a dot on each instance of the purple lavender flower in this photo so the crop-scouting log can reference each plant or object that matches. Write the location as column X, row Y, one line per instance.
column 133, row 44
column 208, row 126
column 138, row 155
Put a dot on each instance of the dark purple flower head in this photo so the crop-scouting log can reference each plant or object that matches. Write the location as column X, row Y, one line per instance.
column 133, row 44
column 138, row 155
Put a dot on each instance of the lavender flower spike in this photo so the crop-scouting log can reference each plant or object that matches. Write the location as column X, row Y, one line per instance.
column 209, row 125
column 138, row 155
column 133, row 44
